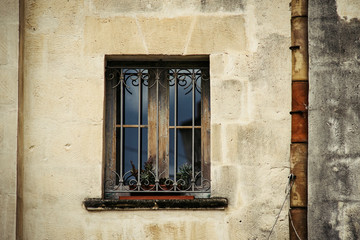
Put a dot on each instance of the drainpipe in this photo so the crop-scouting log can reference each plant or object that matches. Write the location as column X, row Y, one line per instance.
column 299, row 119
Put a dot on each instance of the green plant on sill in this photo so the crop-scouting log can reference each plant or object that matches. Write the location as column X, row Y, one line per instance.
column 147, row 175
column 184, row 174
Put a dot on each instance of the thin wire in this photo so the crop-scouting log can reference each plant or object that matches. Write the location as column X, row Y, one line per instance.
column 292, row 224
column 287, row 191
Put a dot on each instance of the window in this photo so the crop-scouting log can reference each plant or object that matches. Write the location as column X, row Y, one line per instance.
column 157, row 127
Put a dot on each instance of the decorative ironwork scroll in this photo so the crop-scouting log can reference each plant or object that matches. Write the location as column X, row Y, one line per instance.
column 184, row 174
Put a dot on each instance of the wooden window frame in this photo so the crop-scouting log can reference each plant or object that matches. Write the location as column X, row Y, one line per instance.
column 158, row 125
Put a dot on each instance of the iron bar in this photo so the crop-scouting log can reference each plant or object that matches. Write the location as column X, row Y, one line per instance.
column 175, row 131
column 121, row 126
column 157, row 79
column 193, row 133
column 139, row 133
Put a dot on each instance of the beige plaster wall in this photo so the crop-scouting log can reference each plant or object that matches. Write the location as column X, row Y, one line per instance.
column 65, row 45
column 9, row 43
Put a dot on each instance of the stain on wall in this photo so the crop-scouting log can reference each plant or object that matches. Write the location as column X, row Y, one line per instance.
column 334, row 156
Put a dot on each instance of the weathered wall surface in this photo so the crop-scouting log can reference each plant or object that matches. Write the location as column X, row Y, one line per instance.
column 9, row 43
column 66, row 42
column 334, row 156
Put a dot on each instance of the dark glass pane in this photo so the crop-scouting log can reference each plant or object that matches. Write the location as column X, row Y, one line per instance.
column 171, row 104
column 184, row 154
column 144, row 146
column 197, row 150
column 171, row 153
column 118, row 104
column 185, row 99
column 118, row 155
column 130, row 149
column 131, row 97
column 184, row 147
column 144, row 107
column 198, row 101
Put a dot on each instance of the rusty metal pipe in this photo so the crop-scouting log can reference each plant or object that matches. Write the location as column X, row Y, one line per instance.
column 299, row 119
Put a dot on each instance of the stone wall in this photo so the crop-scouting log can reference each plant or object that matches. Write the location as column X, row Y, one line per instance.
column 334, row 156
column 9, row 43
column 250, row 67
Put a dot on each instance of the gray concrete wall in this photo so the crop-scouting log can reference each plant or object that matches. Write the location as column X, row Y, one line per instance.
column 334, row 139
column 9, row 43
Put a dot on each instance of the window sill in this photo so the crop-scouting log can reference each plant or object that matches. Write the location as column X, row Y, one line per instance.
column 98, row 204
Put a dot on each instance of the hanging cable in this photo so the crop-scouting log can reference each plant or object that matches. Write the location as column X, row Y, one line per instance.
column 287, row 191
column 292, row 224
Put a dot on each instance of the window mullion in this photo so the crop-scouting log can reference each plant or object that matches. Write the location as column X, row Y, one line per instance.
column 110, row 132
column 205, row 125
column 152, row 119
column 163, row 124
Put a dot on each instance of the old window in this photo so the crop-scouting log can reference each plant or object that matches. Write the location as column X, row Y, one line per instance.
column 157, row 127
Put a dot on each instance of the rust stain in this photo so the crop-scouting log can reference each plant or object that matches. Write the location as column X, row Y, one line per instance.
column 299, row 48
column 299, row 8
column 298, row 216
column 299, row 127
column 298, row 165
column 299, row 96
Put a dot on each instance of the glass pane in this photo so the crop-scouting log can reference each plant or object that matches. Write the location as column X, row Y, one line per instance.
column 131, row 96
column 144, row 146
column 130, row 149
column 184, row 168
column 198, row 100
column 184, row 147
column 171, row 104
column 118, row 104
column 144, row 107
column 118, row 153
column 171, row 153
column 185, row 99
column 197, row 150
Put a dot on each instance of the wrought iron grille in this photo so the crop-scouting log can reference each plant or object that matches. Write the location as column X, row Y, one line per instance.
column 157, row 128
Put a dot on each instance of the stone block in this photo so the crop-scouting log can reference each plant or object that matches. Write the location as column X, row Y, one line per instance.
column 9, row 11
column 8, row 172
column 217, row 152
column 253, row 144
column 225, row 66
column 3, row 45
column 166, row 35
column 230, row 101
column 224, row 182
column 117, row 35
column 166, row 8
column 212, row 34
column 8, row 86
column 7, row 216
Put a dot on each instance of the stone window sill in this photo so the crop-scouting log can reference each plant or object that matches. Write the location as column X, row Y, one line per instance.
column 98, row 204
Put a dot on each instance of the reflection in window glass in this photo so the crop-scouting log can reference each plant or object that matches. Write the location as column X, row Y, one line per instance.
column 131, row 101
column 130, row 148
column 184, row 96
